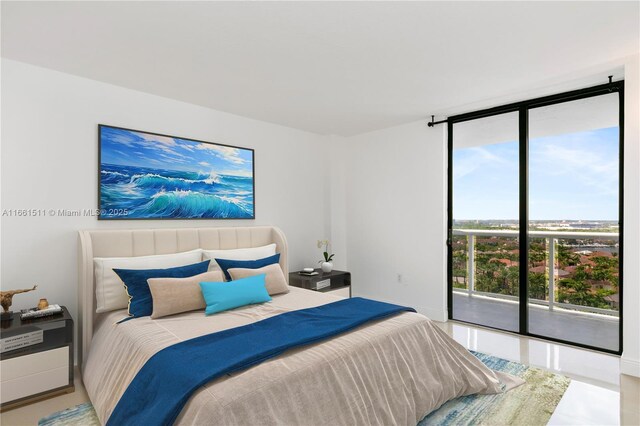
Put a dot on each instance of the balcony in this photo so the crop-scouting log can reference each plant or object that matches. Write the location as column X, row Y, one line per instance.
column 573, row 284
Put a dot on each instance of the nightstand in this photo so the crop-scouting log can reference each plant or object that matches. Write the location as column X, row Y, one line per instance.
column 338, row 281
column 37, row 371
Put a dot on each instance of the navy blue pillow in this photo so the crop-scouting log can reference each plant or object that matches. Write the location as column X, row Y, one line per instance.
column 135, row 280
column 248, row 264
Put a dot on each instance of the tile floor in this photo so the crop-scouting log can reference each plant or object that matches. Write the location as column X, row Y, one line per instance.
column 30, row 414
column 597, row 395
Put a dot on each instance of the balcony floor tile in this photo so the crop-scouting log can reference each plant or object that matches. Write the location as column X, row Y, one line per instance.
column 586, row 329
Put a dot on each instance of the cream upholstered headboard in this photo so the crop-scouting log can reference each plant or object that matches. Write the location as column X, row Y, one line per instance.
column 144, row 242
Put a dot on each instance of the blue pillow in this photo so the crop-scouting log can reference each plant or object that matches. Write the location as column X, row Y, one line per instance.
column 233, row 294
column 249, row 264
column 135, row 281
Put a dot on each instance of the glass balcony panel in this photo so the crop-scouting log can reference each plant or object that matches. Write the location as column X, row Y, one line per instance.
column 564, row 312
column 460, row 250
column 497, row 266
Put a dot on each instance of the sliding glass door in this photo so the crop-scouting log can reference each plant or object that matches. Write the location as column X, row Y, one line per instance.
column 485, row 226
column 574, row 205
column 535, row 217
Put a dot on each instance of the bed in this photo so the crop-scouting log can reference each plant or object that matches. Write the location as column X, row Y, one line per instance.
column 391, row 371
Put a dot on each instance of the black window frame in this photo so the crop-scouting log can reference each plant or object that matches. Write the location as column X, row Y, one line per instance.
column 523, row 108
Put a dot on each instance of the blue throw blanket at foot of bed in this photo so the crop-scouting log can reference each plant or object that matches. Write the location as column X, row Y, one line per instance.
column 165, row 383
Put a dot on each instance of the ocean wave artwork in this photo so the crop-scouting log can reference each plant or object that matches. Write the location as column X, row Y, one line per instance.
column 149, row 176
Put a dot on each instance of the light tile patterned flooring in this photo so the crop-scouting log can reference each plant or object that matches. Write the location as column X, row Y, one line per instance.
column 597, row 395
column 30, row 414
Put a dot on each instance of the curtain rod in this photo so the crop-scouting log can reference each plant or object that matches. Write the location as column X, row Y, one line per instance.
column 610, row 85
column 433, row 123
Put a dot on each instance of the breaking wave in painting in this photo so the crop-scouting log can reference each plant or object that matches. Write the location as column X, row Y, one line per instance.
column 153, row 193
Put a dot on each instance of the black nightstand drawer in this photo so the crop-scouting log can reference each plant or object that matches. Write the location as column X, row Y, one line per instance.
column 323, row 281
column 40, row 370
column 54, row 334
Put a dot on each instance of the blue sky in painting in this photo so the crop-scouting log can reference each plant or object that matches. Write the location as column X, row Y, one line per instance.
column 571, row 176
column 126, row 147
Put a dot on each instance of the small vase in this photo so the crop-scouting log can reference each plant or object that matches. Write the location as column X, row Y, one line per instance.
column 327, row 266
column 43, row 304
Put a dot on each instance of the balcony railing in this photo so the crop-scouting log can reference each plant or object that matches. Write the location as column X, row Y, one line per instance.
column 551, row 239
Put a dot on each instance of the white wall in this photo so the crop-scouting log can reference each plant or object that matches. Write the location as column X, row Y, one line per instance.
column 337, row 181
column 396, row 222
column 49, row 160
column 630, row 362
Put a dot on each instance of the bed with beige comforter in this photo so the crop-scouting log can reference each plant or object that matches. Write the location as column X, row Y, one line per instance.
column 389, row 372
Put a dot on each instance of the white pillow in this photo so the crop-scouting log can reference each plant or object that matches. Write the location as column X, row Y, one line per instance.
column 251, row 253
column 110, row 292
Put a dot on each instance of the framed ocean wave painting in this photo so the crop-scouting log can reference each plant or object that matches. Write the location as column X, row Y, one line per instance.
column 147, row 175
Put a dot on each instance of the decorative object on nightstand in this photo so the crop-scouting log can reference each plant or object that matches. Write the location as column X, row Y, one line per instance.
column 6, row 300
column 36, row 358
column 326, row 264
column 43, row 304
column 308, row 271
column 322, row 281
column 32, row 313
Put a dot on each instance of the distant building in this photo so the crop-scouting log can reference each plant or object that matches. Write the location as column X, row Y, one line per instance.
column 543, row 270
column 613, row 300
column 506, row 262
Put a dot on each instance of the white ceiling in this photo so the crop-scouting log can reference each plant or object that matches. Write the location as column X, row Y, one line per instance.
column 326, row 67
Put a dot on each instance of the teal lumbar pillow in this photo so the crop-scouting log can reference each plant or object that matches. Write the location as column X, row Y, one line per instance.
column 222, row 296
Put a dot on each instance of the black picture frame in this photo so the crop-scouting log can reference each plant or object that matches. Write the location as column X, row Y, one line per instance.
column 173, row 193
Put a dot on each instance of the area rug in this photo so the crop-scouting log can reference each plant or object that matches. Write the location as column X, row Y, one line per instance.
column 530, row 404
column 80, row 415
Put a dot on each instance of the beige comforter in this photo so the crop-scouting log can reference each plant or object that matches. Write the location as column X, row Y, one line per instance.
column 389, row 372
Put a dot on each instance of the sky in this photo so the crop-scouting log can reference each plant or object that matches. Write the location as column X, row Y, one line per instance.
column 571, row 177
column 130, row 148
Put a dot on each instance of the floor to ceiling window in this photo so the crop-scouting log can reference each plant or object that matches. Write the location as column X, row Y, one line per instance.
column 535, row 217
